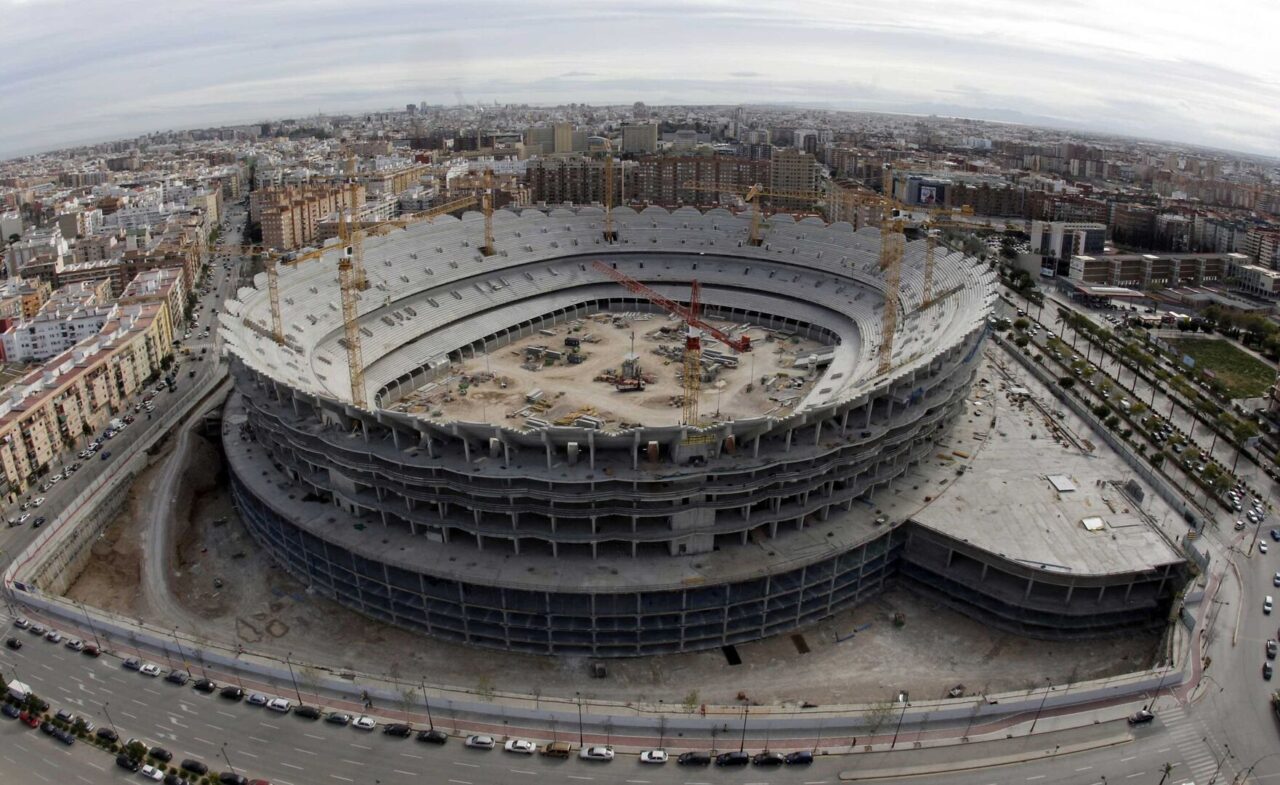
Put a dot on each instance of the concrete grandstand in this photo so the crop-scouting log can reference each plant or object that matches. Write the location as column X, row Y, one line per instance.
column 616, row 539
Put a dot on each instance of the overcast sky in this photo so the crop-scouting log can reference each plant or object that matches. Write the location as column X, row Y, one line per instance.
column 84, row 70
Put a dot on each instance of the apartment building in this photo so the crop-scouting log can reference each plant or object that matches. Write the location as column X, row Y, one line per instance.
column 792, row 170
column 640, row 139
column 665, row 180
column 55, row 408
column 578, row 179
column 74, row 312
column 291, row 216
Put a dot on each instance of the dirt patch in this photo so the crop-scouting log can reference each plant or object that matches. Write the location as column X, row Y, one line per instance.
column 112, row 579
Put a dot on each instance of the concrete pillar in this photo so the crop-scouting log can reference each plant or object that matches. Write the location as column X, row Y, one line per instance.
column 867, row 422
column 817, row 432
column 1070, row 590
column 983, row 576
column 1027, row 593
column 1101, row 591
column 788, row 447
column 466, row 450
column 1128, row 590
column 755, row 450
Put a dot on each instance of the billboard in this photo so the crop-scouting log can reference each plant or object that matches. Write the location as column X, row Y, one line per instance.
column 929, row 194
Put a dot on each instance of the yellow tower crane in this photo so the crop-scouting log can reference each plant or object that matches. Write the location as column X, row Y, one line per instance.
column 351, row 330
column 937, row 220
column 610, row 234
column 273, row 290
column 487, row 204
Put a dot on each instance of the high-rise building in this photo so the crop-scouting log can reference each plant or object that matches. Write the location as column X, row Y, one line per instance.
column 640, row 139
column 665, row 180
column 563, row 137
column 1060, row 240
column 792, row 170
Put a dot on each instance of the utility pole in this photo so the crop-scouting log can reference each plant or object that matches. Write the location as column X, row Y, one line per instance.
column 742, row 742
column 431, row 725
column 109, row 720
column 905, row 705
column 227, row 759
column 578, row 695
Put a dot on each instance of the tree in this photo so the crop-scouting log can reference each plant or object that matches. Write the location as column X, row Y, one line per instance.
column 1022, row 323
column 1066, row 382
column 691, row 701
column 876, row 716
column 13, row 238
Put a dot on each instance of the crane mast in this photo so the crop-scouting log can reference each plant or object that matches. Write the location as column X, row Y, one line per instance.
column 694, row 328
column 273, row 290
column 351, row 330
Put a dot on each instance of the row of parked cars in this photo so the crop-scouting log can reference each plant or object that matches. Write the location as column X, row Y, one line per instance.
column 604, row 753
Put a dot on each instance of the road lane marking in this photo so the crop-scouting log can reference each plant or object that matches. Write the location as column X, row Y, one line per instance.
column 313, row 736
column 411, row 755
column 225, row 713
column 576, row 777
column 340, row 777
column 260, row 741
column 1131, row 757
column 96, row 766
column 402, row 771
column 290, row 765
column 646, row 782
column 1037, row 777
column 1131, row 776
column 269, row 725
column 130, row 716
column 140, row 703
column 1084, row 768
column 242, row 752
column 307, row 752
column 468, row 765
column 202, row 741
column 215, row 727
column 522, row 771
column 460, row 782
column 352, row 762
column 360, row 746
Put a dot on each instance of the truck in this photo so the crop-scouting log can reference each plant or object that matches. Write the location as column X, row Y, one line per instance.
column 117, row 424
column 19, row 691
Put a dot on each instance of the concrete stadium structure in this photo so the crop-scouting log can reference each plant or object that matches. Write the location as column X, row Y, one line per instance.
column 647, row 540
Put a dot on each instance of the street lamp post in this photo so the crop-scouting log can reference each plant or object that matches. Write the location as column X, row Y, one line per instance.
column 89, row 621
column 431, row 725
column 742, row 742
column 296, row 691
column 901, row 717
column 578, row 695
column 1226, row 754
column 1048, row 689
column 109, row 720
column 181, row 655
column 227, row 759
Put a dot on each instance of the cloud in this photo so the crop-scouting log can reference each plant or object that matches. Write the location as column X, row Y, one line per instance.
column 75, row 71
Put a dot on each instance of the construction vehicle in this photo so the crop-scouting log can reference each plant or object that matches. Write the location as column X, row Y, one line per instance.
column 694, row 327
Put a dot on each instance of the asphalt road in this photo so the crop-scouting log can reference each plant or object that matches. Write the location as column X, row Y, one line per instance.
column 1229, row 728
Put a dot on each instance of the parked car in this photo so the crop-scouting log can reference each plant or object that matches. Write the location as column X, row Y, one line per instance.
column 257, row 699
column 127, row 763
column 653, row 756
column 364, row 723
column 151, row 773
column 195, row 767
column 768, row 758
column 13, row 643
column 149, row 670
column 91, row 650
column 398, row 729
column 75, row 644
column 1267, row 670
column 232, row 693
column 480, row 742
column 176, row 677
column 733, row 758
column 307, row 712
column 106, row 734
column 204, row 685
column 693, row 759
column 433, row 736
column 604, row 754
column 232, row 778
column 279, row 704
column 521, row 746
column 161, row 754
column 53, row 636
column 1141, row 717
column 10, row 711
column 338, row 718
column 799, row 758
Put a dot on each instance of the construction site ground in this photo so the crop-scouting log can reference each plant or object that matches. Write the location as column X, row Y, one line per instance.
column 570, row 390
column 232, row 594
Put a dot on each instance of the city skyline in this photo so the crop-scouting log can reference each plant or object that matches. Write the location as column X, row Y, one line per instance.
column 185, row 65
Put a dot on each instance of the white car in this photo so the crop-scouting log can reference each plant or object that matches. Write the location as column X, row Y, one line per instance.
column 479, row 742
column 53, row 636
column 279, row 704
column 364, row 723
column 149, row 670
column 1262, row 547
column 653, row 756
column 596, row 753
column 39, row 500
column 75, row 644
column 152, row 773
column 21, row 623
column 522, row 746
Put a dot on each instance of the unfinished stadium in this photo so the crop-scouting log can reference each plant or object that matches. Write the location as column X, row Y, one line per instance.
column 522, row 476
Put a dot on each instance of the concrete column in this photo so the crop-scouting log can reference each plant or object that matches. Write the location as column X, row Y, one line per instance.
column 591, row 450
column 1128, row 590
column 788, row 447
column 1070, row 589
column 983, row 576
column 1027, row 593
column 1101, row 591
column 867, row 422
column 950, row 555
column 844, row 422
column 755, row 450
column 817, row 432
column 466, row 450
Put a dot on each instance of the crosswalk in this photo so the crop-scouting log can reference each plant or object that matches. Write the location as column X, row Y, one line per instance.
column 1194, row 747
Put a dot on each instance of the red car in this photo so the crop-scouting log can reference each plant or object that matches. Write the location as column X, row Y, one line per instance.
column 30, row 719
